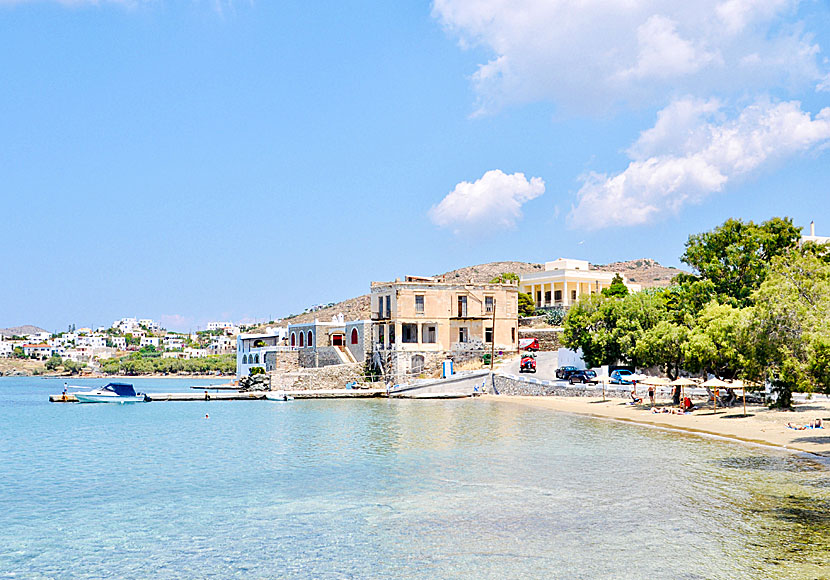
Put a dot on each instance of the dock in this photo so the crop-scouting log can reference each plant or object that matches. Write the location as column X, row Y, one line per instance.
column 246, row 395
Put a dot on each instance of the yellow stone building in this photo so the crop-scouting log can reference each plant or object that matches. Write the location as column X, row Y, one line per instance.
column 418, row 322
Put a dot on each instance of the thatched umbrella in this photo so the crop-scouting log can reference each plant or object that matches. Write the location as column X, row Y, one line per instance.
column 717, row 384
column 603, row 378
column 657, row 381
column 682, row 382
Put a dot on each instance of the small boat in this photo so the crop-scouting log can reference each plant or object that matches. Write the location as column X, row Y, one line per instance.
column 278, row 396
column 111, row 393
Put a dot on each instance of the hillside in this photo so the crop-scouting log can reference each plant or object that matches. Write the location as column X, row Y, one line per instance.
column 21, row 330
column 646, row 272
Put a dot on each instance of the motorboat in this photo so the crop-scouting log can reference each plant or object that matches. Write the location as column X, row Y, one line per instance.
column 278, row 396
column 111, row 393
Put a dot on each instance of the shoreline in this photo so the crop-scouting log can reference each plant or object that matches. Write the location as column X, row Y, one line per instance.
column 226, row 378
column 762, row 426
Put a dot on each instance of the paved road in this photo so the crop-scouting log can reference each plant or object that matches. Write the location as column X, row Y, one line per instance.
column 546, row 363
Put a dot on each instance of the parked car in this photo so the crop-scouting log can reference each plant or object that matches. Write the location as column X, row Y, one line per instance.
column 528, row 363
column 583, row 376
column 565, row 372
column 620, row 377
column 529, row 344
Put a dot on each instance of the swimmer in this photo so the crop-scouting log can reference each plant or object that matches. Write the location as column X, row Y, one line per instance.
column 207, row 416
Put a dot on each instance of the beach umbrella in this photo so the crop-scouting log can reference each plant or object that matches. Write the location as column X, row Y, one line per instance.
column 740, row 385
column 636, row 378
column 717, row 384
column 682, row 382
column 603, row 378
column 657, row 381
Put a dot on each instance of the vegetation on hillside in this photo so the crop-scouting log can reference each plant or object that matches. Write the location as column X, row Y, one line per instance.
column 145, row 363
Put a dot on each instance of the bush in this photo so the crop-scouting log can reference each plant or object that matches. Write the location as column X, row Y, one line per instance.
column 256, row 371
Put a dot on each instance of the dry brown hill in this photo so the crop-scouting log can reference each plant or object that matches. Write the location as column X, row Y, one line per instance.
column 646, row 272
column 21, row 330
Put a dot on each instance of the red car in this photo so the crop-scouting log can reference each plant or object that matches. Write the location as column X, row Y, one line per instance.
column 528, row 363
column 531, row 344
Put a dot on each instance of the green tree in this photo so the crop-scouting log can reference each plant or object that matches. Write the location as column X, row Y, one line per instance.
column 617, row 289
column 53, row 363
column 735, row 256
column 505, row 277
column 526, row 305
column 791, row 342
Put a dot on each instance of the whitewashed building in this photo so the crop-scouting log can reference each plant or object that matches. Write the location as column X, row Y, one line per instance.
column 563, row 281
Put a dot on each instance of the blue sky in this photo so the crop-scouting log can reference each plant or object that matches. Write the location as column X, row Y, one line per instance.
column 195, row 161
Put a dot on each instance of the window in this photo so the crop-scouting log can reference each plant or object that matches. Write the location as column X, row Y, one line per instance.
column 256, row 358
column 310, row 339
column 463, row 335
column 513, row 334
column 462, row 306
column 488, row 334
column 488, row 303
column 354, row 336
column 419, row 304
column 302, row 340
column 557, row 295
column 391, row 334
column 428, row 334
column 547, row 297
column 417, row 364
column 538, row 296
column 381, row 337
column 293, row 339
column 388, row 306
column 409, row 333
column 573, row 294
column 380, row 306
column 245, row 359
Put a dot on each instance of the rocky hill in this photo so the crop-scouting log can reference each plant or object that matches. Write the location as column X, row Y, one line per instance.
column 646, row 272
column 21, row 330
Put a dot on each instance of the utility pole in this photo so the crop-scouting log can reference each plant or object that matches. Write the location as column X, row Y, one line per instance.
column 493, row 341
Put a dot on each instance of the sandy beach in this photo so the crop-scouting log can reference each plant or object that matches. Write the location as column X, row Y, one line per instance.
column 760, row 426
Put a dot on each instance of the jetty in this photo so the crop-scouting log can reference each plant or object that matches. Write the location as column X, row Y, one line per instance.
column 245, row 395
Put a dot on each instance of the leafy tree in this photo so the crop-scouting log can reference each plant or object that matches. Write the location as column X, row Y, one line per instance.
column 256, row 371
column 791, row 344
column 617, row 289
column 664, row 345
column 505, row 277
column 53, row 363
column 736, row 255
column 526, row 305
column 716, row 343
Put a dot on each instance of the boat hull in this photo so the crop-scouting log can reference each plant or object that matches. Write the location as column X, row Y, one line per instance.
column 88, row 398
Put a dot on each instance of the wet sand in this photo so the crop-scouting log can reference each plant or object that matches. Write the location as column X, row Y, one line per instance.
column 761, row 425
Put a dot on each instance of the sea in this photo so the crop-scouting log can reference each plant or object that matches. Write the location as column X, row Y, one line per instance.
column 376, row 488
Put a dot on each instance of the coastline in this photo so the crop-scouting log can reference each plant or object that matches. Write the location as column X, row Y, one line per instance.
column 762, row 426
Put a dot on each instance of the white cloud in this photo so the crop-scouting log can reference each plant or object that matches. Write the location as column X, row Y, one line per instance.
column 494, row 200
column 692, row 152
column 592, row 54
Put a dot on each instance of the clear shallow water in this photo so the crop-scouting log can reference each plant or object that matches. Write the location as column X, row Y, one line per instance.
column 388, row 489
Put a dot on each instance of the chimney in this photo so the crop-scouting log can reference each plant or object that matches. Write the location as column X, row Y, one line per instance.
column 812, row 228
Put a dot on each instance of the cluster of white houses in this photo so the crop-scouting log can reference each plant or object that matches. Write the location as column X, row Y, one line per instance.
column 85, row 345
column 418, row 322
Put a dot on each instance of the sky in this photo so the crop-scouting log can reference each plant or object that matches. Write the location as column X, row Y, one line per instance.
column 204, row 160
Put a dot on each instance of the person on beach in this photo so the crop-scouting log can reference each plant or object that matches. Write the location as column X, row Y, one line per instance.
column 651, row 394
column 675, row 397
column 635, row 400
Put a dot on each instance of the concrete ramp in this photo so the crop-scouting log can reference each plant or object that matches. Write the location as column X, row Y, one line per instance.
column 459, row 385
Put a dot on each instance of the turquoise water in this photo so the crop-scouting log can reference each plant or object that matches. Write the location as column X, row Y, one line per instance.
column 388, row 489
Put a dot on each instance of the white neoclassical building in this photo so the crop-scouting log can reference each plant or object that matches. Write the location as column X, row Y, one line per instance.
column 563, row 281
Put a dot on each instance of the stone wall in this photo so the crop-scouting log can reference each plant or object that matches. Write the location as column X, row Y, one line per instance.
column 550, row 339
column 323, row 357
column 513, row 385
column 330, row 377
column 281, row 361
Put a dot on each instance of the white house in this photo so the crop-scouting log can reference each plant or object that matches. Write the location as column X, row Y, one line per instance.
column 563, row 281
column 42, row 350
column 6, row 348
column 119, row 342
column 253, row 349
column 173, row 342
column 39, row 336
column 813, row 237
column 153, row 341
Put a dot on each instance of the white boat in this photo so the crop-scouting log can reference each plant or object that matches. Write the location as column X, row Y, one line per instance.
column 278, row 396
column 111, row 393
